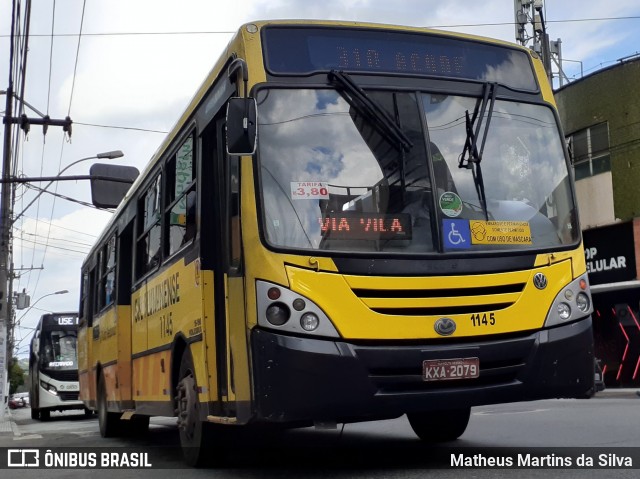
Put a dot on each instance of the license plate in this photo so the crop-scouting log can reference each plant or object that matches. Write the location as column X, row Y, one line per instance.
column 447, row 369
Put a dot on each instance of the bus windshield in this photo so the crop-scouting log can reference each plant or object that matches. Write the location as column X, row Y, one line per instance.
column 59, row 349
column 331, row 180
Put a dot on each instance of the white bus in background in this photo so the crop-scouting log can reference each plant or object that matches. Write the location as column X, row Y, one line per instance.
column 53, row 365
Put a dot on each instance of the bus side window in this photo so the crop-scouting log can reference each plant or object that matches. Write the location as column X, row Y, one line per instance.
column 180, row 197
column 149, row 232
column 107, row 281
column 90, row 298
column 190, row 231
column 235, row 245
column 84, row 291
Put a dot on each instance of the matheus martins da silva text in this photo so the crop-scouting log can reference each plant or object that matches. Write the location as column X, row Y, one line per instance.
column 547, row 460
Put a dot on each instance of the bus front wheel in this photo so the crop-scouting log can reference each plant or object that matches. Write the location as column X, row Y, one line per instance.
column 440, row 426
column 193, row 431
column 108, row 422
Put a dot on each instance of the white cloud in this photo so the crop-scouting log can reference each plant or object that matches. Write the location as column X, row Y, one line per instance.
column 69, row 239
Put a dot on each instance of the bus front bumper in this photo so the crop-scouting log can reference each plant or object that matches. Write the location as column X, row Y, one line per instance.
column 305, row 379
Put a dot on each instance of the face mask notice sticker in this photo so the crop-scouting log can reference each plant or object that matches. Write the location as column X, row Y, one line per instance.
column 500, row 232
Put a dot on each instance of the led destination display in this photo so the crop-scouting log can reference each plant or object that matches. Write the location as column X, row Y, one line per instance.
column 350, row 225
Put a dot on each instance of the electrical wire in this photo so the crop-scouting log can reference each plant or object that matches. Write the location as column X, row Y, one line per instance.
column 225, row 32
column 73, row 82
column 68, row 198
column 146, row 130
column 75, row 68
column 48, row 245
column 53, row 23
column 64, row 228
column 66, row 240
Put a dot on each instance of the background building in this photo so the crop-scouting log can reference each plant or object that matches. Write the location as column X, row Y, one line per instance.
column 600, row 114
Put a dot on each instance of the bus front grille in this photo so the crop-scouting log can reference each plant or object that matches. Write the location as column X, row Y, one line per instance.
column 397, row 369
column 68, row 396
column 439, row 301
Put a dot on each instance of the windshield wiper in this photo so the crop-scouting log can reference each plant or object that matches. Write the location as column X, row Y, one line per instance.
column 471, row 157
column 370, row 110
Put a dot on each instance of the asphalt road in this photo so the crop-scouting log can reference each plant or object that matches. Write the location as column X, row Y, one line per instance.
column 605, row 428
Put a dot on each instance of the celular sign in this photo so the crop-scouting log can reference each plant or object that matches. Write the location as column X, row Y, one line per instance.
column 610, row 254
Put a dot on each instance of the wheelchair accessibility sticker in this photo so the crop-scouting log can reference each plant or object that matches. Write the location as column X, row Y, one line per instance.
column 457, row 234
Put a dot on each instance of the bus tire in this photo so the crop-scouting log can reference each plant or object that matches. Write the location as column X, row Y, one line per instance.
column 440, row 426
column 108, row 422
column 194, row 433
column 35, row 413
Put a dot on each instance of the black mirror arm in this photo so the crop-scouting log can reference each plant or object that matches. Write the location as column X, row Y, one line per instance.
column 239, row 64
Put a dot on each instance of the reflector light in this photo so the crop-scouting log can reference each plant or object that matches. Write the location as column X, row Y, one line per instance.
column 299, row 304
column 273, row 293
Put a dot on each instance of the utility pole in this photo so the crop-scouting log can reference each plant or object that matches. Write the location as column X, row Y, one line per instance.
column 6, row 205
column 531, row 13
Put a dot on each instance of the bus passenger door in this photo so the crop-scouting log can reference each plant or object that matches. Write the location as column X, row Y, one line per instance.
column 220, row 251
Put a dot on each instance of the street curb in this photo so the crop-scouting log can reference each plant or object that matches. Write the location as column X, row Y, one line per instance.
column 627, row 393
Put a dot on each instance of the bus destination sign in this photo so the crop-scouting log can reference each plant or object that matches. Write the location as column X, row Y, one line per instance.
column 302, row 51
column 351, row 225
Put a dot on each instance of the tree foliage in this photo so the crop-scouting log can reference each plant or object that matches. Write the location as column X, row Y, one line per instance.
column 16, row 376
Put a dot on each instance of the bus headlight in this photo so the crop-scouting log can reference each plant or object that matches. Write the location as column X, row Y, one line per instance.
column 309, row 321
column 583, row 302
column 49, row 387
column 286, row 311
column 564, row 311
column 573, row 302
column 278, row 314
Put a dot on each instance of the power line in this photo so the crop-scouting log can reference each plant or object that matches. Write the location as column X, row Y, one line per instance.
column 66, row 240
column 62, row 227
column 53, row 206
column 224, row 32
column 570, row 20
column 119, row 34
column 53, row 23
column 121, row 127
column 75, row 67
column 46, row 245
column 73, row 200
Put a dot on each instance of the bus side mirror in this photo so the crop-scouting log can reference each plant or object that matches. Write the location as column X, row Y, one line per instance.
column 110, row 183
column 242, row 129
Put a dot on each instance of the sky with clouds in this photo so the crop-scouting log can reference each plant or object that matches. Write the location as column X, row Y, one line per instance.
column 139, row 62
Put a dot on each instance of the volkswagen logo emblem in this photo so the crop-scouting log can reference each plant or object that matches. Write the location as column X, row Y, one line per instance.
column 445, row 326
column 540, row 281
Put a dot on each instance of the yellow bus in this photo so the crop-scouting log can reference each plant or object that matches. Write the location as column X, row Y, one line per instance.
column 349, row 222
